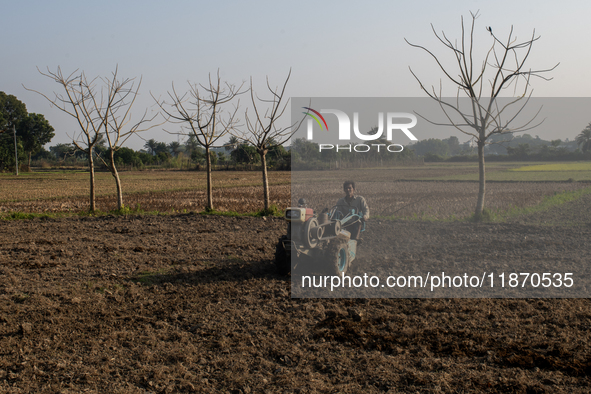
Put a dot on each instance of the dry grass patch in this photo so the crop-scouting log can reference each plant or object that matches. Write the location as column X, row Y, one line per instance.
column 53, row 185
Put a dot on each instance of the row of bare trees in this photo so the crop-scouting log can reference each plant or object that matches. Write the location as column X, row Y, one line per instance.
column 208, row 112
column 102, row 107
column 203, row 111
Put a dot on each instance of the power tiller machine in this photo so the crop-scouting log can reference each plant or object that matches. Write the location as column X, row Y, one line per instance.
column 323, row 239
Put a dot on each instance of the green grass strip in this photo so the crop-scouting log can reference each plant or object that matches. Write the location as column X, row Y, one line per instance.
column 576, row 166
column 273, row 210
column 28, row 216
column 547, row 202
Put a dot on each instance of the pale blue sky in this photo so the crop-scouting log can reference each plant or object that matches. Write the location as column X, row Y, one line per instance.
column 335, row 48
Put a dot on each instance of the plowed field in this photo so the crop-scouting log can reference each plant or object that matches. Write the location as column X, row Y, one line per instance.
column 192, row 303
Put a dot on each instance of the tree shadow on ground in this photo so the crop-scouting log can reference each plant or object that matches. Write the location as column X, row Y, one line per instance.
column 231, row 270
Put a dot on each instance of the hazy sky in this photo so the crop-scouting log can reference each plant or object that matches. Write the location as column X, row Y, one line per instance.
column 335, row 48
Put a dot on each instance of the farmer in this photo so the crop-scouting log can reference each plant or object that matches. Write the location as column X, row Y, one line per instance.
column 351, row 201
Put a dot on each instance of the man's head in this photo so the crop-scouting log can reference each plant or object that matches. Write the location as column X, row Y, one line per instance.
column 349, row 189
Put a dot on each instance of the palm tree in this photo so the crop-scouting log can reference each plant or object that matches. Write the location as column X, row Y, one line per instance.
column 584, row 139
column 151, row 146
column 175, row 148
column 191, row 145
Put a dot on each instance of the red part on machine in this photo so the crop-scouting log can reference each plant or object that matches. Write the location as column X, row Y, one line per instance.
column 309, row 213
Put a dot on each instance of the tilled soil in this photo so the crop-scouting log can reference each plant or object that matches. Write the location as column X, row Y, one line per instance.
column 192, row 303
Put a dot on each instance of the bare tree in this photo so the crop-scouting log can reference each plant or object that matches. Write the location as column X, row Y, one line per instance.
column 503, row 67
column 121, row 95
column 78, row 102
column 201, row 113
column 100, row 111
column 262, row 130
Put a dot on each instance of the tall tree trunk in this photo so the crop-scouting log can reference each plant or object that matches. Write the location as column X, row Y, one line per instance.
column 208, row 170
column 263, row 154
column 117, row 180
column 481, row 181
column 30, row 160
column 91, row 168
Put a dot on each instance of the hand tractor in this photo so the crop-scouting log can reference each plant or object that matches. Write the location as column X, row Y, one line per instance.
column 322, row 238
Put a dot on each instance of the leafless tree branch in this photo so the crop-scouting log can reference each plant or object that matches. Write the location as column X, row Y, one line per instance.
column 262, row 129
column 101, row 106
column 503, row 67
column 202, row 112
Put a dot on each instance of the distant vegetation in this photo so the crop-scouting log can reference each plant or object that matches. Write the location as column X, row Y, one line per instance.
column 172, row 155
column 524, row 147
column 32, row 132
column 306, row 155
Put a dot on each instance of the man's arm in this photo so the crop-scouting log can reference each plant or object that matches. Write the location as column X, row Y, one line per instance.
column 364, row 208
